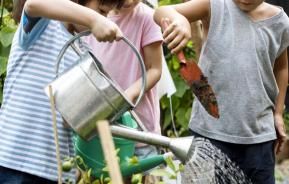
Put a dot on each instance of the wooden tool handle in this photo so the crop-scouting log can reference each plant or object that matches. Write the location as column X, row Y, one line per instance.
column 109, row 151
column 57, row 149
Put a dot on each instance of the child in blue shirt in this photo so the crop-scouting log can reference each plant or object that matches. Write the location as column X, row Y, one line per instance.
column 27, row 149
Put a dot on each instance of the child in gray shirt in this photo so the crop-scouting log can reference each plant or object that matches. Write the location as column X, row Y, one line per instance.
column 244, row 56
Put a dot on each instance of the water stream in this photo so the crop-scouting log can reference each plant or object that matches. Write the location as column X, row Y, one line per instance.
column 208, row 165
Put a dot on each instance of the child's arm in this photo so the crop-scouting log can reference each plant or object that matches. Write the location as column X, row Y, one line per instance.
column 67, row 11
column 178, row 32
column 153, row 62
column 281, row 75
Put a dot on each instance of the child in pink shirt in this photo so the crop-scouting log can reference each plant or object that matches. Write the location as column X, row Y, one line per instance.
column 135, row 20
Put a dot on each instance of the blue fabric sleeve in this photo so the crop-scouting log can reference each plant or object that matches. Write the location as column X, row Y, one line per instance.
column 30, row 29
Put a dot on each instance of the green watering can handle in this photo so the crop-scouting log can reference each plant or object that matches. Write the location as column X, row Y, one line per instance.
column 86, row 33
column 143, row 165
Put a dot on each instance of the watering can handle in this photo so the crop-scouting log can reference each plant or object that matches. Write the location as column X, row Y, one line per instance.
column 86, row 33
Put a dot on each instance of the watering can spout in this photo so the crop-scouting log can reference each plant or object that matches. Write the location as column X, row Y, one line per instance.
column 183, row 152
column 183, row 148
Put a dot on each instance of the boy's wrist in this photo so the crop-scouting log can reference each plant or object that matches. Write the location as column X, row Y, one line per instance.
column 278, row 114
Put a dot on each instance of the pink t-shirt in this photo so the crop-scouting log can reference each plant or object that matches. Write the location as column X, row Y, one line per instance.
column 120, row 62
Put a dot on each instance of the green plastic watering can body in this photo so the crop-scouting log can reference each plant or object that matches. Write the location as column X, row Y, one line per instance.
column 91, row 153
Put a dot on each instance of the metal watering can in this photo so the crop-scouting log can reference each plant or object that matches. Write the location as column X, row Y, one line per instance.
column 94, row 158
column 85, row 93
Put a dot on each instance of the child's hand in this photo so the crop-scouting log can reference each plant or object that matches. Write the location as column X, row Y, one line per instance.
column 131, row 93
column 281, row 133
column 176, row 34
column 105, row 30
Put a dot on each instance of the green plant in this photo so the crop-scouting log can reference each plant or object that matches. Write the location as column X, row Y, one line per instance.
column 173, row 171
column 7, row 30
column 85, row 176
column 181, row 101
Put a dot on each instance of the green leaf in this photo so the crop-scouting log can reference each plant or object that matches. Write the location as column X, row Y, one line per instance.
column 167, row 119
column 180, row 116
column 106, row 180
column 136, row 178
column 183, row 131
column 1, row 96
column 105, row 169
column 173, row 177
column 133, row 160
column 96, row 182
column 160, row 172
column 89, row 173
column 4, row 51
column 5, row 12
column 170, row 133
column 188, row 113
column 80, row 163
column 6, row 36
column 176, row 102
column 175, row 63
column 170, row 163
column 8, row 21
column 181, row 87
column 3, row 65
column 181, row 167
column 164, row 102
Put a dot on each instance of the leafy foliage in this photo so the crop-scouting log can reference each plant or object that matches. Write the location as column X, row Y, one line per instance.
column 7, row 30
column 181, row 101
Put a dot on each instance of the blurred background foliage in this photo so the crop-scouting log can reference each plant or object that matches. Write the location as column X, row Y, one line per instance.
column 181, row 101
column 7, row 30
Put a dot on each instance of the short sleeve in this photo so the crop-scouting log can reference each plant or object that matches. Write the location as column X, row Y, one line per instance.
column 284, row 35
column 30, row 29
column 152, row 32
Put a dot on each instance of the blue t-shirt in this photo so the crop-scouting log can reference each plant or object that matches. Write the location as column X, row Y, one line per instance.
column 26, row 133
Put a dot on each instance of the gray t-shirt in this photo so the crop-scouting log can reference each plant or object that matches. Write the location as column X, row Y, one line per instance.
column 238, row 59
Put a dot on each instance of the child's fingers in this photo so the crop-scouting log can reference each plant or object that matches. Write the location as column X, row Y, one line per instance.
column 168, row 30
column 170, row 37
column 175, row 42
column 180, row 46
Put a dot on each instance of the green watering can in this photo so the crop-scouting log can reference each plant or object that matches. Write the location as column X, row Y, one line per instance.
column 91, row 153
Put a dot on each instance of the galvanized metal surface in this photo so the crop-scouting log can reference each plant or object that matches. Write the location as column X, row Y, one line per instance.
column 182, row 147
column 85, row 93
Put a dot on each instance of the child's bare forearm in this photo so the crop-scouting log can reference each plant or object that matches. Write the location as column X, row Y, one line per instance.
column 165, row 12
column 63, row 10
column 153, row 64
column 192, row 10
column 281, row 74
column 153, row 61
